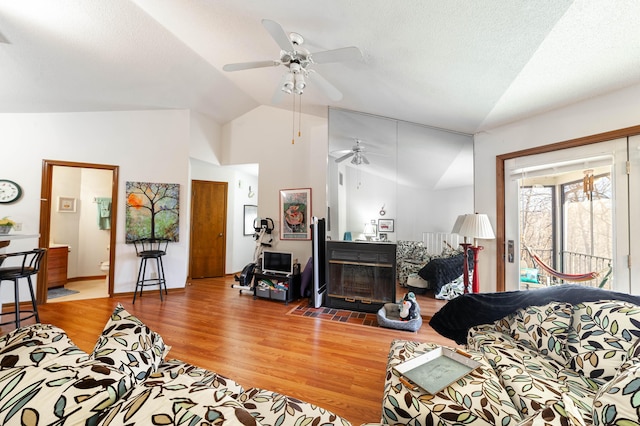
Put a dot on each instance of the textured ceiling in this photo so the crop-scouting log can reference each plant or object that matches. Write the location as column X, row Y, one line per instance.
column 453, row 64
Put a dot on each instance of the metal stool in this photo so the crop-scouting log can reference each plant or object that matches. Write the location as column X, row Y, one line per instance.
column 27, row 264
column 150, row 248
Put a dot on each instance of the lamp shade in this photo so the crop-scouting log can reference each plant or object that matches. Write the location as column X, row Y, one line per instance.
column 458, row 224
column 369, row 230
column 477, row 226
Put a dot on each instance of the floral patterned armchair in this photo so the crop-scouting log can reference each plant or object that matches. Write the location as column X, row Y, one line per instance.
column 411, row 256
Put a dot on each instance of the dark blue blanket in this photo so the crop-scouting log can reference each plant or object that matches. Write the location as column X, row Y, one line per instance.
column 455, row 318
column 443, row 270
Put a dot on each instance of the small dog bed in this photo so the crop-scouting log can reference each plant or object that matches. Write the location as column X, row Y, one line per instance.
column 389, row 317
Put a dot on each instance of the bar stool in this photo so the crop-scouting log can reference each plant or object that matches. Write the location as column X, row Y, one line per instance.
column 27, row 264
column 150, row 248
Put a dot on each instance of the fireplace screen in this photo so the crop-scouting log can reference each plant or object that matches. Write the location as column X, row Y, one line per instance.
column 361, row 281
column 361, row 272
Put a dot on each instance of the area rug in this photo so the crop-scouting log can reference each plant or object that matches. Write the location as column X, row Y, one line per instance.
column 338, row 315
column 53, row 293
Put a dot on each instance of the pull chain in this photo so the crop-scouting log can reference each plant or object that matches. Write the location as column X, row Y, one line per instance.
column 300, row 115
column 293, row 121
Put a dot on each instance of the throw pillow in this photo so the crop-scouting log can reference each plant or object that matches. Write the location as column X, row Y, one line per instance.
column 616, row 403
column 544, row 328
column 46, row 379
column 180, row 394
column 560, row 413
column 528, row 275
column 602, row 333
column 127, row 344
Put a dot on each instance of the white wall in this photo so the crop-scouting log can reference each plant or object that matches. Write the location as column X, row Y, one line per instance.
column 205, row 139
column 93, row 247
column 263, row 136
column 150, row 146
column 613, row 111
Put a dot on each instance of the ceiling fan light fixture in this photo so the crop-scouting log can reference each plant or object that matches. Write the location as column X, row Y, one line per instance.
column 300, row 84
column 288, row 84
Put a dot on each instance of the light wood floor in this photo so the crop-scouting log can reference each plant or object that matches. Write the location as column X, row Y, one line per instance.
column 87, row 289
column 338, row 366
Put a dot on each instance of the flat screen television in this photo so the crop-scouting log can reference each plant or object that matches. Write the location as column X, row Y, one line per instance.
column 277, row 262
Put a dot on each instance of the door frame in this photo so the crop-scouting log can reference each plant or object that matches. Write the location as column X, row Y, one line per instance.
column 45, row 218
column 500, row 185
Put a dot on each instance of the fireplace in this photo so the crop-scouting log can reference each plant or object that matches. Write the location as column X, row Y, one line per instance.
column 360, row 275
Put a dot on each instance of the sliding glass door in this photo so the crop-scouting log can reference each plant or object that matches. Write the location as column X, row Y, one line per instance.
column 567, row 217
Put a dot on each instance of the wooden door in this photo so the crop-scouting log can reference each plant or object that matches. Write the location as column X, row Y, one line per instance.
column 208, row 229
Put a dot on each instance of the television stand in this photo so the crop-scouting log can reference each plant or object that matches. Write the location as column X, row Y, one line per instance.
column 281, row 287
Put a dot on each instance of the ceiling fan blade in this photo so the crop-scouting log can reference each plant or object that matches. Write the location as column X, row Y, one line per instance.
column 364, row 159
column 337, row 55
column 278, row 34
column 328, row 88
column 249, row 65
column 344, row 157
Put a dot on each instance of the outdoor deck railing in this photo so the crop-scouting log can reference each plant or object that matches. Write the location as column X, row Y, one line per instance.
column 572, row 263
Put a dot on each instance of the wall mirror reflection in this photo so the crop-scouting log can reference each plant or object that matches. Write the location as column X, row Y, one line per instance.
column 250, row 215
column 381, row 168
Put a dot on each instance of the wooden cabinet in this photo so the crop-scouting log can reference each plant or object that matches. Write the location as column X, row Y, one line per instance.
column 57, row 259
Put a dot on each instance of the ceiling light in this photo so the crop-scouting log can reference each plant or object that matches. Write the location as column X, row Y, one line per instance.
column 357, row 159
column 294, row 67
column 300, row 84
column 288, row 84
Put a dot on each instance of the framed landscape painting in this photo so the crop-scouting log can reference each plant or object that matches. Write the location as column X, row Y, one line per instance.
column 295, row 214
column 152, row 211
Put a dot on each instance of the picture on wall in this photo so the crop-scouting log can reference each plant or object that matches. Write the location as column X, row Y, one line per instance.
column 386, row 225
column 295, row 214
column 67, row 204
column 152, row 211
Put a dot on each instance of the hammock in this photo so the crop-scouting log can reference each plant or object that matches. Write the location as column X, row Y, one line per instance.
column 567, row 277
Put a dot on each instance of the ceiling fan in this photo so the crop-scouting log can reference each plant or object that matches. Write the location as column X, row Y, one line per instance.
column 357, row 152
column 297, row 60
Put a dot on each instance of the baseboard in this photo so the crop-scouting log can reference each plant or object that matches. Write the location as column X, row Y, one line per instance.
column 91, row 277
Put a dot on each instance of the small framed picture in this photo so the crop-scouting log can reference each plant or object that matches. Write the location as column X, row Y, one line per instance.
column 66, row 204
column 385, row 225
column 295, row 214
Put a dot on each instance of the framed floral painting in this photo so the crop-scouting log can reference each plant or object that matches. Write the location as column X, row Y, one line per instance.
column 295, row 214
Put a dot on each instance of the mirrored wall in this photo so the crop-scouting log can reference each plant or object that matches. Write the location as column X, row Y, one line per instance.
column 393, row 180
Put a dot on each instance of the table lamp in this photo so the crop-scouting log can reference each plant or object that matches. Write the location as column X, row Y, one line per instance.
column 478, row 227
column 465, row 246
column 369, row 231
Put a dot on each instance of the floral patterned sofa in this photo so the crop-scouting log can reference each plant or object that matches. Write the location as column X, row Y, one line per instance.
column 554, row 364
column 45, row 380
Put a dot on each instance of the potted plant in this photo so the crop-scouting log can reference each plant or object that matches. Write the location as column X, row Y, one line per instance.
column 6, row 224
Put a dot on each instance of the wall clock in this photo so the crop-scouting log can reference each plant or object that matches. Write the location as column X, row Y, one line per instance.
column 9, row 191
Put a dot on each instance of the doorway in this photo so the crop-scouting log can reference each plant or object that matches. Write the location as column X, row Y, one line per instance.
column 208, row 229
column 70, row 207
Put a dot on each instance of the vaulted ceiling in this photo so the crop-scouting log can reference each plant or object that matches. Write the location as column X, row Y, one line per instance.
column 454, row 64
